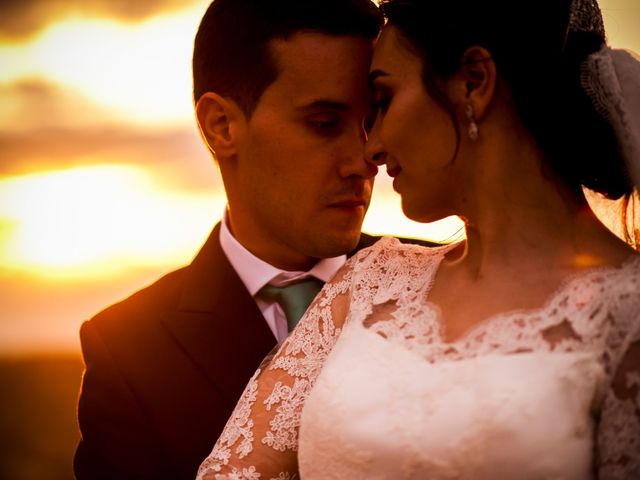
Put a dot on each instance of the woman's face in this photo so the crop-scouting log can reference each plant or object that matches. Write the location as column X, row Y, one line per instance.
column 413, row 134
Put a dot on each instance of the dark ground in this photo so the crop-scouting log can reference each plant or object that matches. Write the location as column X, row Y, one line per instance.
column 38, row 431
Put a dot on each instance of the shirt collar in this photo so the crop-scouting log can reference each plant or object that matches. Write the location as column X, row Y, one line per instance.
column 255, row 273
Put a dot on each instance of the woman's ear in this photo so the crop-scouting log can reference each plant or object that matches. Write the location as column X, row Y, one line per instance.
column 217, row 118
column 478, row 71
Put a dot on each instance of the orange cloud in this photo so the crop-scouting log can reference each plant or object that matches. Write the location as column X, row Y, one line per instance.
column 45, row 126
column 24, row 18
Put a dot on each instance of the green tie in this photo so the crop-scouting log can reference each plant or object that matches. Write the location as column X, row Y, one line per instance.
column 293, row 298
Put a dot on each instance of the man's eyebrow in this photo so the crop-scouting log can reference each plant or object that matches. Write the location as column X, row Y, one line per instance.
column 324, row 105
column 376, row 74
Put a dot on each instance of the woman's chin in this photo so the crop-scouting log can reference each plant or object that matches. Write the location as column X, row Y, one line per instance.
column 419, row 213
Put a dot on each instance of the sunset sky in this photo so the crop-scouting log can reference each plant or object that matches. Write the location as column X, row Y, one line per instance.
column 104, row 181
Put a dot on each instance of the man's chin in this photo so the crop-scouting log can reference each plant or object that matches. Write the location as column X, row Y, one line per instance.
column 338, row 244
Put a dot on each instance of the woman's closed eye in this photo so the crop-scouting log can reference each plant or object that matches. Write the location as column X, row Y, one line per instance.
column 381, row 104
column 379, row 107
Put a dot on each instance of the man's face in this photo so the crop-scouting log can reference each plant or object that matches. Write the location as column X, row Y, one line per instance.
column 300, row 185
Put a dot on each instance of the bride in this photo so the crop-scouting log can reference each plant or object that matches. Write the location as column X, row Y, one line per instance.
column 514, row 354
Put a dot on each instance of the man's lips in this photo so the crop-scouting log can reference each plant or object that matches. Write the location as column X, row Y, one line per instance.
column 351, row 203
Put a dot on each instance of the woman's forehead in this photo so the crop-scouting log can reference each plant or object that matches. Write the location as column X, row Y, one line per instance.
column 392, row 54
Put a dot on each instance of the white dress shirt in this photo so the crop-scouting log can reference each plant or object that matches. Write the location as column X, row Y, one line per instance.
column 256, row 273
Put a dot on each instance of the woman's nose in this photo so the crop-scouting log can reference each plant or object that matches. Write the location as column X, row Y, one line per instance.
column 373, row 150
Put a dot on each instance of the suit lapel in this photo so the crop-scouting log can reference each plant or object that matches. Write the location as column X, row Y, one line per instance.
column 217, row 322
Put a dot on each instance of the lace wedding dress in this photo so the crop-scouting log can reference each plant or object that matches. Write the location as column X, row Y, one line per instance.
column 367, row 388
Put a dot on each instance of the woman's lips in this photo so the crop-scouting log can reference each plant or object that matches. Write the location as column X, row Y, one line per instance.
column 393, row 171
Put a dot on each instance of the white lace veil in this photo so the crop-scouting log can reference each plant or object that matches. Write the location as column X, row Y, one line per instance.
column 611, row 79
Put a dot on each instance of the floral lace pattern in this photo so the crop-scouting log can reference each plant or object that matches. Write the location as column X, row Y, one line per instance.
column 384, row 289
column 280, row 398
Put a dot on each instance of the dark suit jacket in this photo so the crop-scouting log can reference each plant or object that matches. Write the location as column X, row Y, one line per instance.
column 165, row 368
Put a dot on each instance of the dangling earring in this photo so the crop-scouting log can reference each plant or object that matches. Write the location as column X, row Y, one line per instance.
column 473, row 126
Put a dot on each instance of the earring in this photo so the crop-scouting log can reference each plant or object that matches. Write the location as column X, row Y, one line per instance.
column 473, row 126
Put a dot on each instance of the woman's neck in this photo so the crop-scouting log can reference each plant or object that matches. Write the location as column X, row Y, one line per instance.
column 519, row 216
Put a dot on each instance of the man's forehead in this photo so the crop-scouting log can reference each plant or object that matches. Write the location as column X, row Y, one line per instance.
column 317, row 70
column 315, row 39
column 309, row 51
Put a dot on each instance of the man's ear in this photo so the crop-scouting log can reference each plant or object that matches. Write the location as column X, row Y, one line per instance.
column 478, row 71
column 218, row 121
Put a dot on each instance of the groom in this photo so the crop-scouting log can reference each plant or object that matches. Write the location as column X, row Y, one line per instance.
column 280, row 90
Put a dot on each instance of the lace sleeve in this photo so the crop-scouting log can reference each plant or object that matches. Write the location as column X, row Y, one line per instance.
column 619, row 429
column 260, row 439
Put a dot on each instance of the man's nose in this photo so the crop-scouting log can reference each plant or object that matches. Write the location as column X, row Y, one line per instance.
column 355, row 163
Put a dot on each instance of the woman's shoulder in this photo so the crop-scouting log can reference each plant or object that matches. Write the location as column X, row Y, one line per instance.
column 389, row 251
column 604, row 301
column 391, row 269
column 399, row 246
column 622, row 281
column 622, row 284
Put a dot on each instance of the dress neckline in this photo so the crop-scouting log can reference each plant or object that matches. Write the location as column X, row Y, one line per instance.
column 485, row 324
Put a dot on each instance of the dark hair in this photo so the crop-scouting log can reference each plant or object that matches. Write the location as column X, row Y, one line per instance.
column 231, row 53
column 541, row 64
